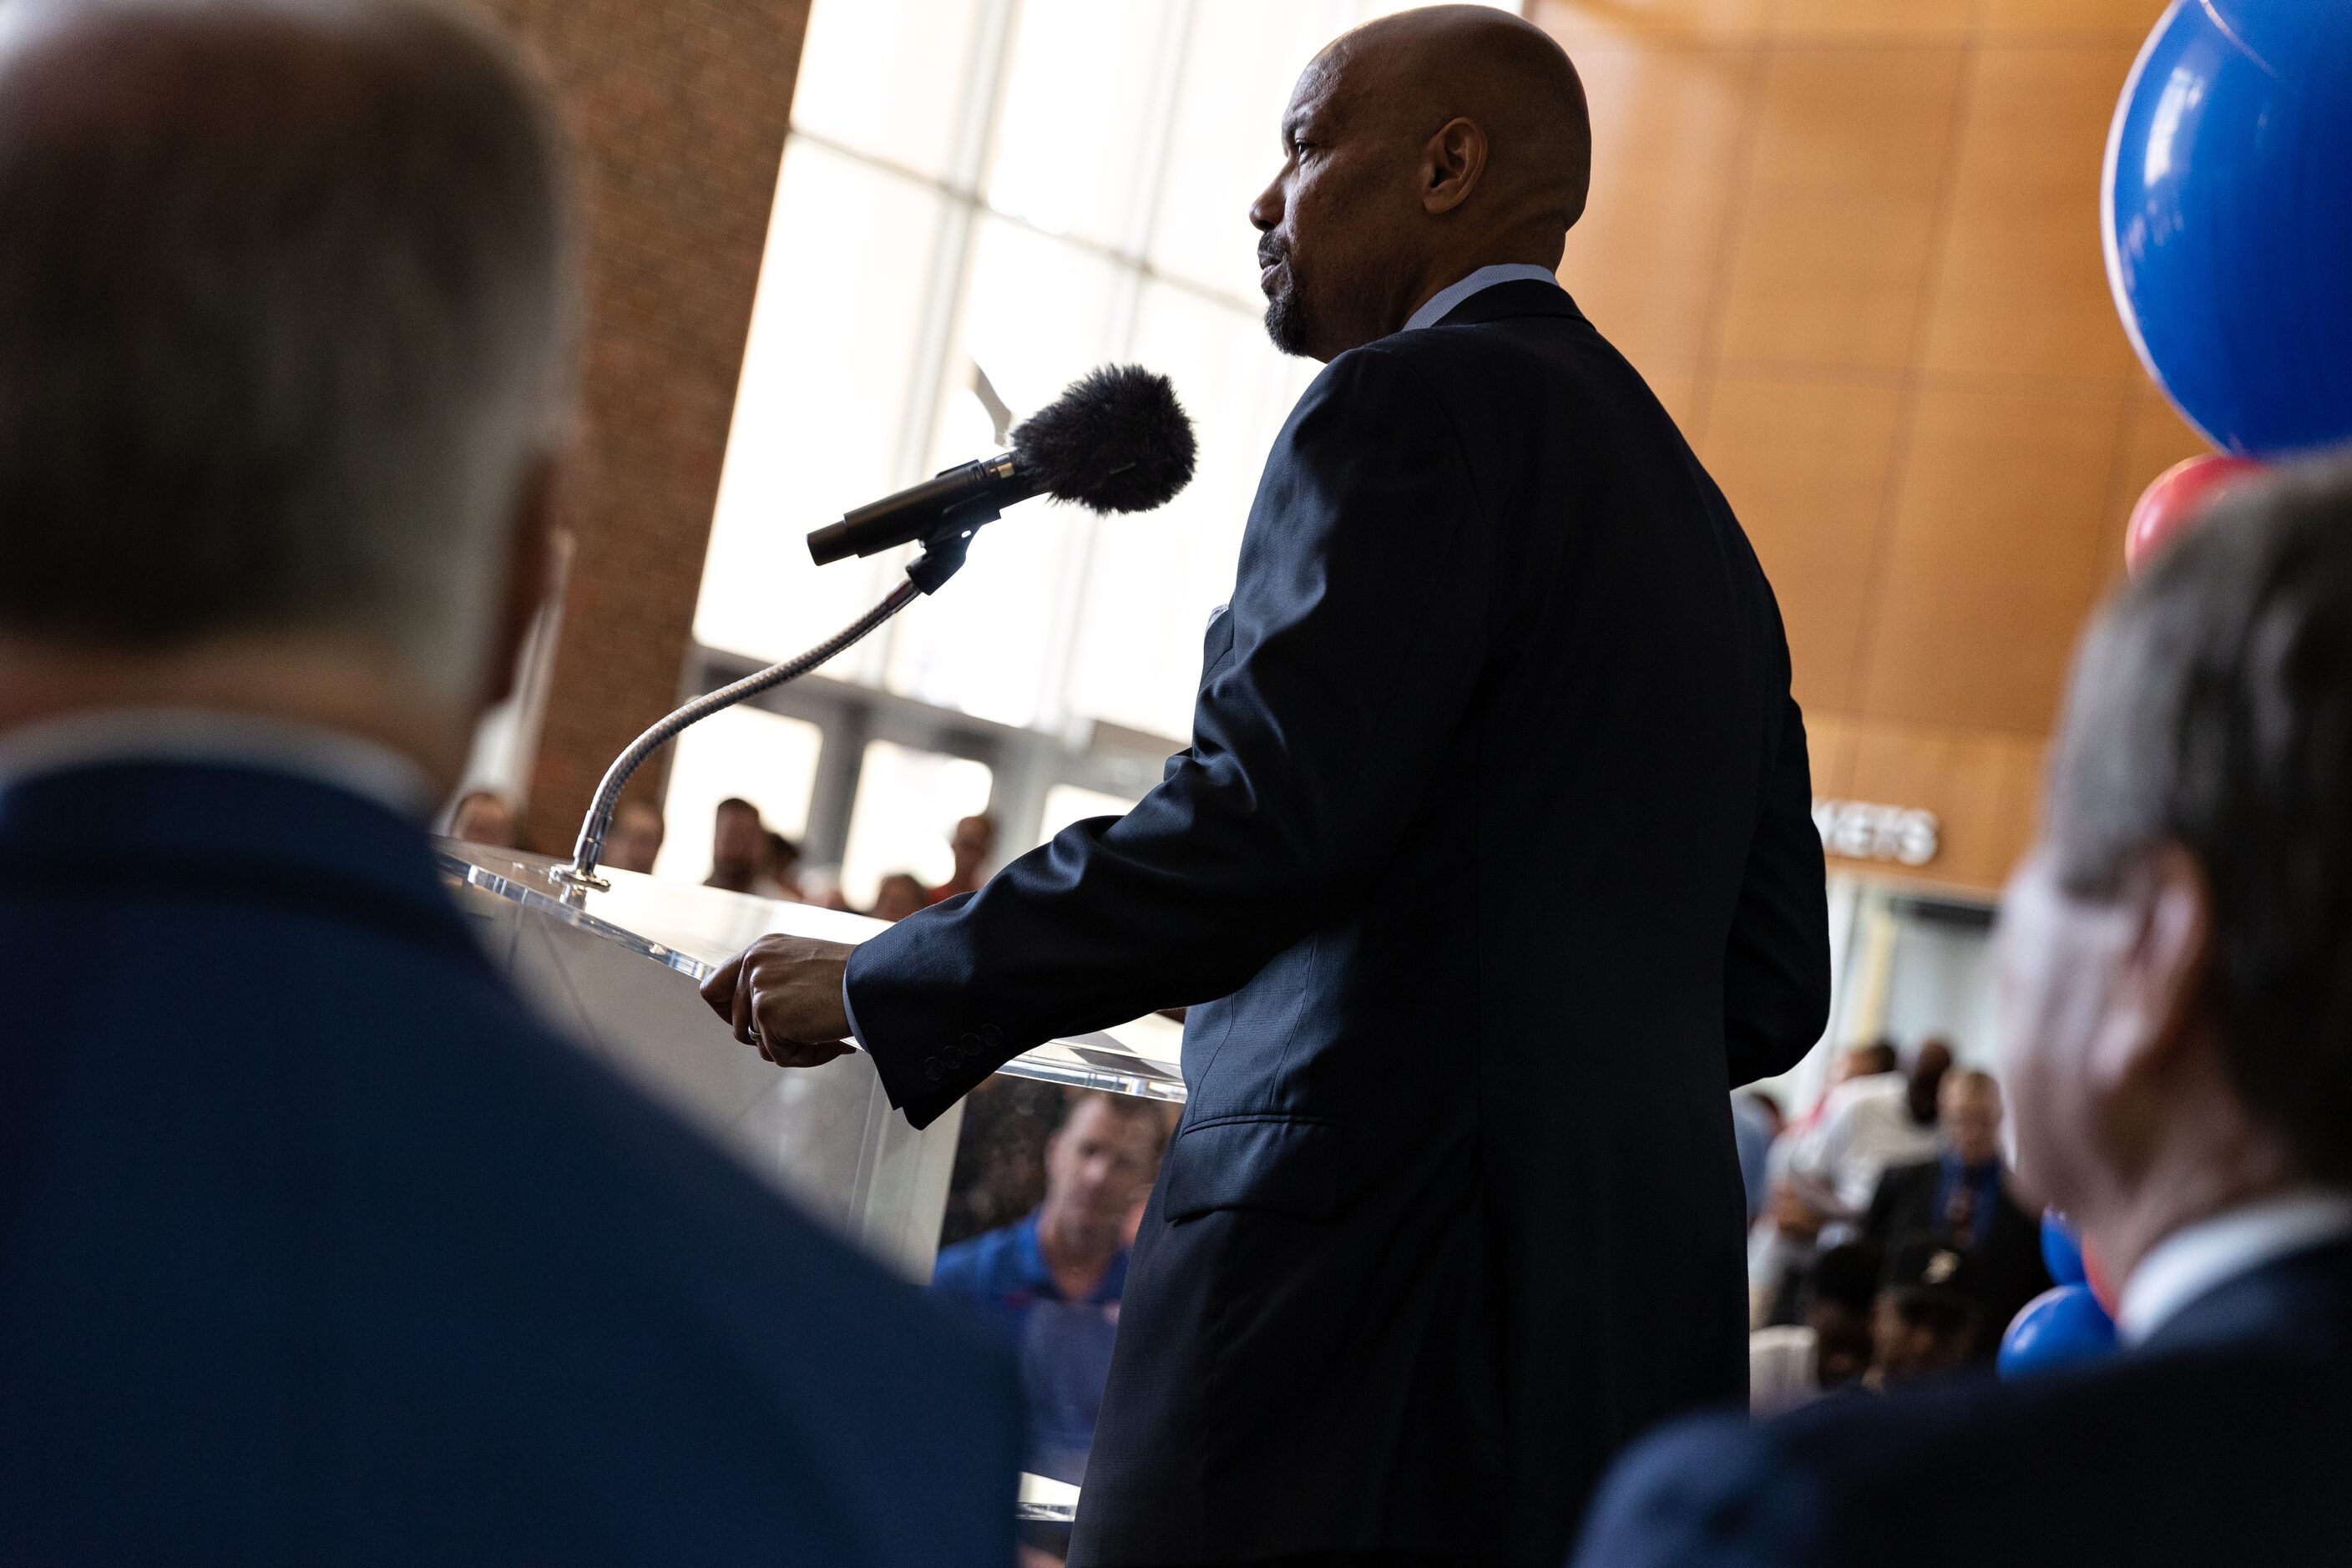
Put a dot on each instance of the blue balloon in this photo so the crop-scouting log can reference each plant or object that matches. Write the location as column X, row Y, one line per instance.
column 2226, row 209
column 2062, row 1249
column 2058, row 1328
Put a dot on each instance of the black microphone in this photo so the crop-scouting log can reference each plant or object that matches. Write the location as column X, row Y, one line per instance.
column 1117, row 440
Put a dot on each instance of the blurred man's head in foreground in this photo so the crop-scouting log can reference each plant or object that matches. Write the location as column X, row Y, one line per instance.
column 286, row 315
column 2176, row 995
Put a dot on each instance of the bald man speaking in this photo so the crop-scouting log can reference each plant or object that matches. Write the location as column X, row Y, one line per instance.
column 1489, row 870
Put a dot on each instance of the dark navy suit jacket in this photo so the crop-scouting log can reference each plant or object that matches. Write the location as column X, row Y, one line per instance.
column 2226, row 1438
column 1490, row 867
column 315, row 1247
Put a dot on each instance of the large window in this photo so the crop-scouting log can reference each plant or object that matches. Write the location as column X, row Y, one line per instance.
column 979, row 201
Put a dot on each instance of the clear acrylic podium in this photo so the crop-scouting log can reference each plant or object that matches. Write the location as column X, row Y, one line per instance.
column 618, row 971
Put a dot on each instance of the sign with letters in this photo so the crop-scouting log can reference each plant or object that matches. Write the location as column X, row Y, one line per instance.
column 1861, row 830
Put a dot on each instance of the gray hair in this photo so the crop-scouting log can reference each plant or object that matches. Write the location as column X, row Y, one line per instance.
column 2211, row 707
column 285, row 320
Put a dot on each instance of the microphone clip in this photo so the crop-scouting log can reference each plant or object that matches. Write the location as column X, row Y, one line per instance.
column 944, row 547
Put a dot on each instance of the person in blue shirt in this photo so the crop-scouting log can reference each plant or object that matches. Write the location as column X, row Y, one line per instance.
column 1050, row 1283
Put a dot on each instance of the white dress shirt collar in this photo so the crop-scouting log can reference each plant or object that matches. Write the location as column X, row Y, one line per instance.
column 2199, row 1259
column 1486, row 278
column 102, row 736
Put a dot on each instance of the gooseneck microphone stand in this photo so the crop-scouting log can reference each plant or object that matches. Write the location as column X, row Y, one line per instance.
column 942, row 556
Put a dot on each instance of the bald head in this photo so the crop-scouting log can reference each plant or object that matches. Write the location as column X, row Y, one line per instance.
column 284, row 328
column 1423, row 68
column 1418, row 148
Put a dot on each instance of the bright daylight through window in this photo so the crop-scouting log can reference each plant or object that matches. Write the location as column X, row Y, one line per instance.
column 979, row 201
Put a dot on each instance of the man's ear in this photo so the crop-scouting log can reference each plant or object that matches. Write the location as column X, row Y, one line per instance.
column 1451, row 163
column 529, row 557
column 2167, row 979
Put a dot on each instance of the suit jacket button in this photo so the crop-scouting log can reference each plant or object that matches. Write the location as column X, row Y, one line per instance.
column 931, row 1069
column 989, row 1035
column 972, row 1044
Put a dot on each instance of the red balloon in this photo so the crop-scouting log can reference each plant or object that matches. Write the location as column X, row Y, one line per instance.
column 2179, row 496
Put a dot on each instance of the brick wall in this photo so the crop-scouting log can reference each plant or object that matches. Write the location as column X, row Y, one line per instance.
column 678, row 109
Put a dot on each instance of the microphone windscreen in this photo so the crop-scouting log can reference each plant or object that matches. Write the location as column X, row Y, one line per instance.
column 1117, row 440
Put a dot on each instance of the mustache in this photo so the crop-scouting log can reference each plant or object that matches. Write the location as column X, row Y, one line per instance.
column 1271, row 252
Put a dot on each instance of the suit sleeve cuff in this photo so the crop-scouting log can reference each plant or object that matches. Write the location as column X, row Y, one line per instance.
column 850, row 1012
column 910, row 1082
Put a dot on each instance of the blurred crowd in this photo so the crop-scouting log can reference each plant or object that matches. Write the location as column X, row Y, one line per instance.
column 1887, row 1242
column 747, row 856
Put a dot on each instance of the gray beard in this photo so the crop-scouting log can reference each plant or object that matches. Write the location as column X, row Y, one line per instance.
column 1285, row 322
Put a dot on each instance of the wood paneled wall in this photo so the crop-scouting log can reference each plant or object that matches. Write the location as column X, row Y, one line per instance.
column 1855, row 245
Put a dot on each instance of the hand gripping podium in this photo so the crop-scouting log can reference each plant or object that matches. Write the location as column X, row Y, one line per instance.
column 617, row 971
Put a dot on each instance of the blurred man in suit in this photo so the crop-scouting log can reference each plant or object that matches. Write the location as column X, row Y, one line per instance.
column 1962, row 1197
column 313, row 1244
column 1489, row 870
column 2175, row 1000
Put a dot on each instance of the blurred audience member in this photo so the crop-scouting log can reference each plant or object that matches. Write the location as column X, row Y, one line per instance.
column 741, row 854
column 1866, row 1126
column 973, row 841
column 634, row 840
column 784, row 866
column 1782, row 1246
column 1051, row 1282
column 2174, row 1002
column 1962, row 1197
column 483, row 816
column 1801, row 1210
column 899, row 895
column 1755, row 1122
column 315, row 1245
column 1923, row 1085
column 1926, row 1318
column 1855, row 1061
column 1830, row 1346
